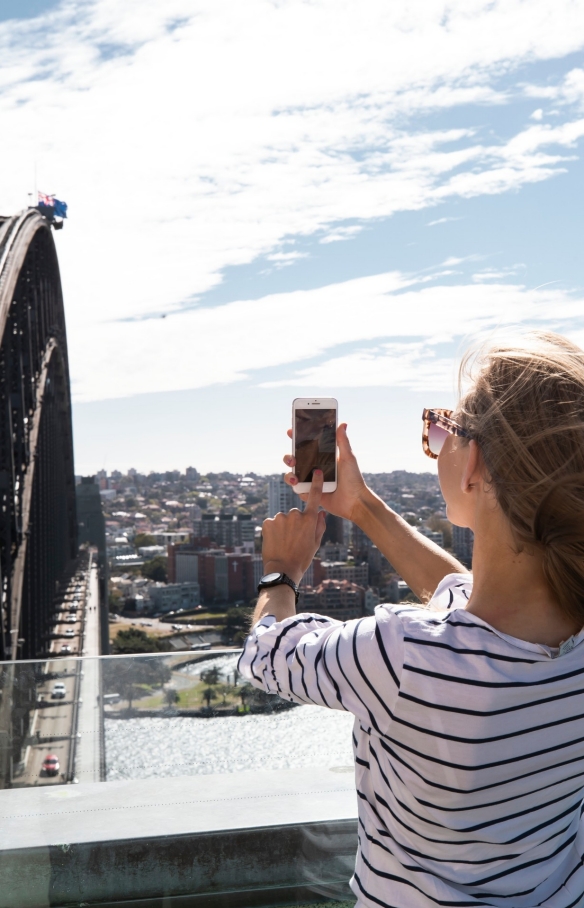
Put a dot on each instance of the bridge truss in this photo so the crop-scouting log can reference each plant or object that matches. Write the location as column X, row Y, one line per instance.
column 38, row 526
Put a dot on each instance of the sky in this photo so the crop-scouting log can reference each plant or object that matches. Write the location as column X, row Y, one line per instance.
column 286, row 198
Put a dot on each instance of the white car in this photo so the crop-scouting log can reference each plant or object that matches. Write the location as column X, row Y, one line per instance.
column 69, row 632
column 71, row 619
column 59, row 691
column 65, row 648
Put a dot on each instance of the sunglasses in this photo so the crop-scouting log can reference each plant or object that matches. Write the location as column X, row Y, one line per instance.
column 438, row 425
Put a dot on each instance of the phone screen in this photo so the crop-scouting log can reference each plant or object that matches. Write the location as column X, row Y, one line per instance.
column 316, row 443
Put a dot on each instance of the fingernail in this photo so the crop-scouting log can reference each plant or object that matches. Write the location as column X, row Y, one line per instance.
column 318, row 472
column 293, row 480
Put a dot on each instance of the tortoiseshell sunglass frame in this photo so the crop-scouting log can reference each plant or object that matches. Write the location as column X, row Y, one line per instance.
column 442, row 419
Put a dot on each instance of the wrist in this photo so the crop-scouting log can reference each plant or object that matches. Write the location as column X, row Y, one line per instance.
column 365, row 506
column 281, row 567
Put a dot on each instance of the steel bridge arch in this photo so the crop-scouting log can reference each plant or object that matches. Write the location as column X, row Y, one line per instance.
column 38, row 528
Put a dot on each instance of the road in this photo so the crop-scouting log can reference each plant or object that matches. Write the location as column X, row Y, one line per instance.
column 52, row 724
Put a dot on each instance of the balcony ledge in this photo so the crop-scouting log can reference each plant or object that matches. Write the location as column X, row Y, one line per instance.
column 249, row 838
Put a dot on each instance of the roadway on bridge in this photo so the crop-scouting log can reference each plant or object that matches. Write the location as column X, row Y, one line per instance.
column 53, row 725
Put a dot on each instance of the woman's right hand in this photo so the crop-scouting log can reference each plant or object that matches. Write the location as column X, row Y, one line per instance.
column 351, row 487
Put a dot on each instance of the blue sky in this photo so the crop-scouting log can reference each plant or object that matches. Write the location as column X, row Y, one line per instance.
column 270, row 200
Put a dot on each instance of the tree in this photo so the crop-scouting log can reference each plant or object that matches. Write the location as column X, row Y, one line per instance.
column 134, row 677
column 237, row 624
column 211, row 676
column 171, row 696
column 208, row 694
column 156, row 569
column 441, row 525
column 115, row 601
column 133, row 640
column 245, row 692
column 127, row 691
column 142, row 539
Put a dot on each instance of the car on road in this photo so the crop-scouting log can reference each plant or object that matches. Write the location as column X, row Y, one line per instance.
column 65, row 648
column 51, row 765
column 59, row 691
column 71, row 619
column 69, row 632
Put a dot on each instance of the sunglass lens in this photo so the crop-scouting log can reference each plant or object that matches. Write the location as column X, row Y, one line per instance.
column 436, row 438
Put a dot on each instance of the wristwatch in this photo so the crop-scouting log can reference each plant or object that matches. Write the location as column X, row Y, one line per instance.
column 277, row 579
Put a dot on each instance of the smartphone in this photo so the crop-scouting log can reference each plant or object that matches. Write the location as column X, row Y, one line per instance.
column 314, row 441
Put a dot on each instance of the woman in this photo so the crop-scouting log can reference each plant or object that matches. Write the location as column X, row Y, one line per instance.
column 469, row 715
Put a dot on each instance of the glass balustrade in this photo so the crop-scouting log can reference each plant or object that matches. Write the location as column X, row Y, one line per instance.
column 167, row 779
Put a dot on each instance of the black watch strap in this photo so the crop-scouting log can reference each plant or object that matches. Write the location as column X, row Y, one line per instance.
column 278, row 581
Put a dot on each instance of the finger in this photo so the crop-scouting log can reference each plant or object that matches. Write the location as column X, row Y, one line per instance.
column 289, row 460
column 289, row 433
column 290, row 479
column 315, row 493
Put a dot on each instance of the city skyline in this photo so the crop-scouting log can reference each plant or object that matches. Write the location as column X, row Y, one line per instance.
column 244, row 229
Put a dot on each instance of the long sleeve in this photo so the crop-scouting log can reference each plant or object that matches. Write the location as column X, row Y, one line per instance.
column 353, row 666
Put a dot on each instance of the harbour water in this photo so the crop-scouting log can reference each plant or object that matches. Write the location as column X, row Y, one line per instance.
column 301, row 737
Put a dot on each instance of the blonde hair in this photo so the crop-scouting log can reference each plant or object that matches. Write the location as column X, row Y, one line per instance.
column 525, row 408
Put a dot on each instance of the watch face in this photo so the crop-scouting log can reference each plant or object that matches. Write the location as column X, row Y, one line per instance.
column 269, row 578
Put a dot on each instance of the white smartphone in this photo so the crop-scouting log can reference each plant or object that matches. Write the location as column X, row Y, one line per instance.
column 314, row 441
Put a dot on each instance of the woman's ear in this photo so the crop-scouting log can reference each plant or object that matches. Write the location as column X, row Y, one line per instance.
column 471, row 473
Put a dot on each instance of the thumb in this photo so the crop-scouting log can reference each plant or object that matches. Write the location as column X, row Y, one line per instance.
column 343, row 442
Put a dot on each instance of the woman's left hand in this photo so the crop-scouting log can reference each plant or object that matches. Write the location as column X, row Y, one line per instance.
column 290, row 541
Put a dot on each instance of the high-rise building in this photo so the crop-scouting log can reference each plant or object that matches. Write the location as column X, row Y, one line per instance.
column 281, row 497
column 335, row 531
column 240, row 571
column 434, row 536
column 462, row 544
column 225, row 529
column 360, row 543
column 340, row 570
column 91, row 531
column 186, row 567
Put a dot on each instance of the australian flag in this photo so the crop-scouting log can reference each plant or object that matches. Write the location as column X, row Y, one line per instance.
column 58, row 209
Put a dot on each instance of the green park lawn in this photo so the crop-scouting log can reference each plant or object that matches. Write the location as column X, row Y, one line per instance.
column 192, row 697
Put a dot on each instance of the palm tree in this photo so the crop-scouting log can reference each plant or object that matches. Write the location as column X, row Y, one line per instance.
column 208, row 694
column 245, row 691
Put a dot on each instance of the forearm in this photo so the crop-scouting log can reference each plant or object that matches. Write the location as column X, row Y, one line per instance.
column 278, row 601
column 420, row 562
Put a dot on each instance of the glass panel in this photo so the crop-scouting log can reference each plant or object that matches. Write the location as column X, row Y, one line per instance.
column 104, row 757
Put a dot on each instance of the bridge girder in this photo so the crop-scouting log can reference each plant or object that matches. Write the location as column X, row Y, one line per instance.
column 38, row 531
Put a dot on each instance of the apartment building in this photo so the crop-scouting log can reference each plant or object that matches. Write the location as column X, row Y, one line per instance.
column 341, row 570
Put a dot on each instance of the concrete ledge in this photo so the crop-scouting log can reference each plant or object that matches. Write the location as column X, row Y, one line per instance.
column 216, row 840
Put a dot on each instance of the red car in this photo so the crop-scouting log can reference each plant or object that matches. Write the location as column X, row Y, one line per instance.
column 51, row 765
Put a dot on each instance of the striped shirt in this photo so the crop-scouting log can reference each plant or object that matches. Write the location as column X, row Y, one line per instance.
column 468, row 744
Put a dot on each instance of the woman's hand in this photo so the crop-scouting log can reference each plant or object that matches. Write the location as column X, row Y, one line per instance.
column 351, row 487
column 290, row 541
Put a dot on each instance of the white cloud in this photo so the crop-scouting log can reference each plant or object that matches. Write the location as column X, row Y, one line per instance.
column 210, row 144
column 441, row 221
column 338, row 234
column 227, row 343
column 412, row 366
